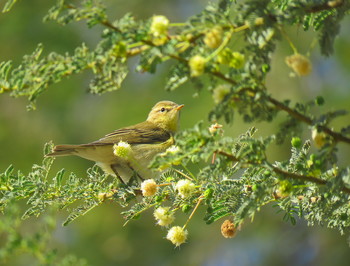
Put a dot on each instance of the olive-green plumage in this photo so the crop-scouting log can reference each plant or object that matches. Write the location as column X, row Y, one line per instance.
column 146, row 139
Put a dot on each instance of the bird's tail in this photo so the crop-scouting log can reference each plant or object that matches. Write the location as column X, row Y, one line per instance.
column 64, row 150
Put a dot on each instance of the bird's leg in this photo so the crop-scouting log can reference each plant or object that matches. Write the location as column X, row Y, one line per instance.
column 114, row 168
column 135, row 172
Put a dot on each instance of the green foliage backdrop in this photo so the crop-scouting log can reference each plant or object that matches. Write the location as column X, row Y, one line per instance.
column 253, row 72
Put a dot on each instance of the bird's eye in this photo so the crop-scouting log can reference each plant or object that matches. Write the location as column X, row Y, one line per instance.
column 162, row 110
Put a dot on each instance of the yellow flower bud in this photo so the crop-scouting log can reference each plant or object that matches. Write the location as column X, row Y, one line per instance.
column 237, row 61
column 214, row 128
column 177, row 235
column 213, row 38
column 149, row 187
column 233, row 59
column 105, row 195
column 314, row 199
column 197, row 65
column 300, row 64
column 283, row 190
column 225, row 56
column 319, row 138
column 259, row 21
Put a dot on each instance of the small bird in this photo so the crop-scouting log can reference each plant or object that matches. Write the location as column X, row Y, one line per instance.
column 144, row 141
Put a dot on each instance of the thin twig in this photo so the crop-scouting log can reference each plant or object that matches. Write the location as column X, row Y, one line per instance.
column 286, row 174
column 281, row 106
column 326, row 6
column 335, row 135
column 110, row 25
column 181, row 173
column 200, row 199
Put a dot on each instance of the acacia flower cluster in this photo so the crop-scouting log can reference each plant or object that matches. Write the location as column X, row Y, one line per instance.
column 231, row 58
column 159, row 25
column 172, row 149
column 185, row 188
column 122, row 149
column 159, row 30
column 149, row 187
column 300, row 64
column 197, row 65
column 164, row 216
column 177, row 235
column 214, row 128
column 319, row 138
column 220, row 92
column 213, row 38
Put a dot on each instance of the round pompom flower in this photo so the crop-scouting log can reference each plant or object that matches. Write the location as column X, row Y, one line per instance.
column 122, row 149
column 163, row 216
column 177, row 235
column 185, row 188
column 300, row 64
column 197, row 65
column 149, row 187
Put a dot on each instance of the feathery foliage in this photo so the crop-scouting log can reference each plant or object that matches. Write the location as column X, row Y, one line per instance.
column 234, row 177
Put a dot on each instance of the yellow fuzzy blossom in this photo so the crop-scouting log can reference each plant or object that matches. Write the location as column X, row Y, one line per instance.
column 319, row 138
column 259, row 21
column 159, row 25
column 177, row 235
column 149, row 187
column 214, row 128
column 197, row 65
column 237, row 61
column 213, row 38
column 164, row 216
column 220, row 92
column 233, row 59
column 172, row 149
column 185, row 188
column 122, row 149
column 300, row 64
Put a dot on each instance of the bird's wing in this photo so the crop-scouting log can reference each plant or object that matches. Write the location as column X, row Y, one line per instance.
column 143, row 133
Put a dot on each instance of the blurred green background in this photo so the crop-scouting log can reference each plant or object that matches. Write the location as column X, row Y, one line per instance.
column 66, row 113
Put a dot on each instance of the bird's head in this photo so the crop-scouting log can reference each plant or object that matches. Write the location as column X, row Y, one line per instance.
column 165, row 114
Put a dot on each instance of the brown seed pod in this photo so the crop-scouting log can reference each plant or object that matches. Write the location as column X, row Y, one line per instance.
column 228, row 229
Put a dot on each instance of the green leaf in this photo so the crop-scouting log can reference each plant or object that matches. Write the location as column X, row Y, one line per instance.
column 177, row 77
column 80, row 211
column 58, row 178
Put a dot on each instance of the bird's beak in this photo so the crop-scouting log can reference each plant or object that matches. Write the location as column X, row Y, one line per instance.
column 179, row 107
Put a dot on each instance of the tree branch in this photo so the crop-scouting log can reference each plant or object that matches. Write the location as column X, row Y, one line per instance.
column 335, row 135
column 286, row 174
column 281, row 106
column 325, row 6
column 110, row 25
